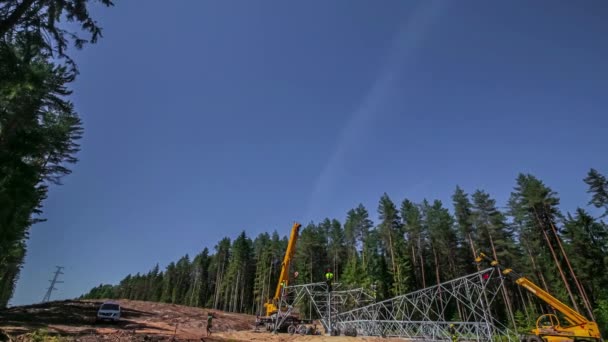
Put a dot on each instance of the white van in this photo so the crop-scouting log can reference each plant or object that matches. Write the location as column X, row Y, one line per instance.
column 109, row 312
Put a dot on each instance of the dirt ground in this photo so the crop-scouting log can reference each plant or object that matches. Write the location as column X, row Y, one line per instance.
column 142, row 321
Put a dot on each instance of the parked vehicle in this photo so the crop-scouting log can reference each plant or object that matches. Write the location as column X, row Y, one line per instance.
column 109, row 312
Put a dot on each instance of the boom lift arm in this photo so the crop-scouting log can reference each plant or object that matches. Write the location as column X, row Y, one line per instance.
column 580, row 326
column 271, row 306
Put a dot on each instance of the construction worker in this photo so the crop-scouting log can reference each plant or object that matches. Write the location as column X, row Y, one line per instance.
column 329, row 277
column 452, row 331
column 209, row 323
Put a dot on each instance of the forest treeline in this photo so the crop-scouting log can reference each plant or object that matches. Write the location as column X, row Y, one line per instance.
column 409, row 246
column 39, row 127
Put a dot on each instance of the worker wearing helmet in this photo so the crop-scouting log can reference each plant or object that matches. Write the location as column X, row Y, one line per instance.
column 329, row 277
column 453, row 333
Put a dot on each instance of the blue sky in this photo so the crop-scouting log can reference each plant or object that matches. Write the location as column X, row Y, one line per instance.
column 206, row 118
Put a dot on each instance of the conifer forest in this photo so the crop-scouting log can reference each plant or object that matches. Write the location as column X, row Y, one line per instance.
column 402, row 246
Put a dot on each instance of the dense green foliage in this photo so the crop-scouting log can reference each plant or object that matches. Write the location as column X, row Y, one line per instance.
column 39, row 128
column 411, row 246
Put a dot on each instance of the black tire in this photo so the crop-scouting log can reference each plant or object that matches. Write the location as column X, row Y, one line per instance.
column 302, row 329
column 350, row 332
column 291, row 329
column 534, row 338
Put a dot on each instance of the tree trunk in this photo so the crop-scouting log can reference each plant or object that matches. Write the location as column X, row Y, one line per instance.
column 390, row 242
column 417, row 276
column 535, row 268
column 237, row 292
column 581, row 289
column 436, row 266
column 453, row 268
column 218, row 282
column 336, row 271
column 505, row 294
column 472, row 245
column 363, row 259
column 438, row 280
column 557, row 263
column 422, row 269
column 523, row 302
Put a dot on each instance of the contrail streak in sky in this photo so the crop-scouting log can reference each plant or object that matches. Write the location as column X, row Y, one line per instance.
column 401, row 54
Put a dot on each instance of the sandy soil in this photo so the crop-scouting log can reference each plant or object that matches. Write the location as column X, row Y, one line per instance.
column 142, row 321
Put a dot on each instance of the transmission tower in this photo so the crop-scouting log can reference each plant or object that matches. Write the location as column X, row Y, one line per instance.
column 53, row 281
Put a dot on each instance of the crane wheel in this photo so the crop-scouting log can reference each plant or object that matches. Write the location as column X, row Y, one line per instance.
column 534, row 339
column 291, row 329
column 350, row 332
column 302, row 329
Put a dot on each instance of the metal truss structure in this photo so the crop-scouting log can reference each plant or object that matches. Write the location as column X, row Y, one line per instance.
column 464, row 303
column 426, row 314
column 327, row 305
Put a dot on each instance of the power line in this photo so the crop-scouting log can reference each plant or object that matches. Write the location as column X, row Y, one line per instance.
column 53, row 281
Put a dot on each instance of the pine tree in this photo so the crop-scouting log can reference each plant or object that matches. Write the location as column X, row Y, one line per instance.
column 41, row 19
column 416, row 240
column 220, row 263
column 337, row 249
column 537, row 207
column 493, row 232
column 263, row 261
column 39, row 128
column 238, row 281
column 39, row 131
column 462, row 213
column 598, row 186
column 169, row 281
column 156, row 280
column 392, row 237
column 356, row 230
column 377, row 268
column 197, row 293
column 12, row 263
column 587, row 243
column 442, row 239
column 353, row 271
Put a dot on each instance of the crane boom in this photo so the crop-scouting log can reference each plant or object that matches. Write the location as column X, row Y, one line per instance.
column 271, row 306
column 291, row 249
column 580, row 327
column 573, row 316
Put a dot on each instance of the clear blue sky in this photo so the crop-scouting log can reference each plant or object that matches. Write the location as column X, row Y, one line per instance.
column 205, row 118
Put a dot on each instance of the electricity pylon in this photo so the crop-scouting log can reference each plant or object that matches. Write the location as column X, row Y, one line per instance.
column 53, row 281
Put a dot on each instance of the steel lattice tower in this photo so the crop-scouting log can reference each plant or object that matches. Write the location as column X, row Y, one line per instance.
column 465, row 303
column 53, row 281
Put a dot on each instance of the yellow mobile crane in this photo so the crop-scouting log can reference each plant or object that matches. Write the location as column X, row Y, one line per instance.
column 271, row 305
column 548, row 326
